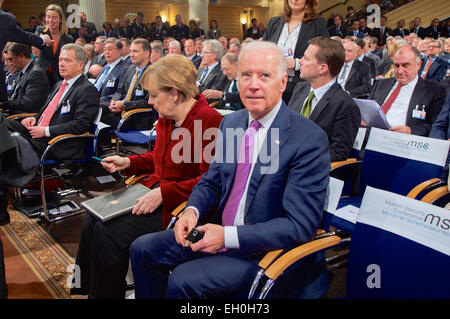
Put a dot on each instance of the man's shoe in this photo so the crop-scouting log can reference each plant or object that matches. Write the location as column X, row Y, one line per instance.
column 4, row 215
column 75, row 170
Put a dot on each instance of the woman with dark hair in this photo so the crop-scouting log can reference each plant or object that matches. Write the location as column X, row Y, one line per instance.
column 213, row 32
column 56, row 28
column 291, row 31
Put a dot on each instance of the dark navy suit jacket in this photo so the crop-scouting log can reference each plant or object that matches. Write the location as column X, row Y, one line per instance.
column 111, row 82
column 283, row 208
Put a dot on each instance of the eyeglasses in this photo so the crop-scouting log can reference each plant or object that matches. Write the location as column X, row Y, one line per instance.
column 205, row 52
column 110, row 49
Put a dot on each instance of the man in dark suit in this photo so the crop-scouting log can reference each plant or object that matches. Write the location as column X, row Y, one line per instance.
column 125, row 30
column 338, row 29
column 441, row 130
column 354, row 76
column 434, row 67
column 31, row 89
column 71, row 108
column 99, row 56
column 226, row 93
column 138, row 27
column 108, row 80
column 247, row 221
column 354, row 30
column 10, row 31
column 210, row 74
column 322, row 100
column 418, row 29
column 382, row 32
column 364, row 28
column 191, row 53
column 411, row 104
column 364, row 58
column 400, row 30
column 179, row 30
column 91, row 28
column 434, row 30
column 130, row 93
column 159, row 31
column 108, row 31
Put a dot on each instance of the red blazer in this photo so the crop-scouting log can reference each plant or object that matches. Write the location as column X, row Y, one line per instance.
column 176, row 180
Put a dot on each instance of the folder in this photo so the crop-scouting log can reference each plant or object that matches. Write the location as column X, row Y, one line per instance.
column 372, row 114
column 116, row 203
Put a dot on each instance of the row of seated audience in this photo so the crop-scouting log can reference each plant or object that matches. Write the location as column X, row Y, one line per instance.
column 333, row 72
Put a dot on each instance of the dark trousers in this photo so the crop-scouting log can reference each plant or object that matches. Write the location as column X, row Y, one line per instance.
column 3, row 288
column 39, row 144
column 103, row 252
column 194, row 275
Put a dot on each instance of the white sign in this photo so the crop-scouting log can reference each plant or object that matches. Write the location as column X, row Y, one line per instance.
column 418, row 221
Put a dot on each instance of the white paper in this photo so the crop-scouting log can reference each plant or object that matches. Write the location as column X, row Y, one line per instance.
column 372, row 114
column 334, row 192
column 105, row 179
column 349, row 213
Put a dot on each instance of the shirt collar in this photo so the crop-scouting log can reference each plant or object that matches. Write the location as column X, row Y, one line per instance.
column 73, row 80
column 320, row 92
column 112, row 65
column 267, row 120
column 26, row 67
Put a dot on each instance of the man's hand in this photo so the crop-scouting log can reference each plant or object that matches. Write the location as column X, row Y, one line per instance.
column 212, row 94
column 116, row 106
column 47, row 40
column 148, row 203
column 28, row 122
column 212, row 241
column 184, row 224
column 290, row 63
column 37, row 131
column 401, row 129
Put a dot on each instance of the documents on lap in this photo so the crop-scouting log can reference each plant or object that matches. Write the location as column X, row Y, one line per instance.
column 115, row 204
column 372, row 114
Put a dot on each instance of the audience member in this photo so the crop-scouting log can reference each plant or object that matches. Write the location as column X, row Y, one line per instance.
column 179, row 30
column 441, row 130
column 91, row 29
column 156, row 52
column 56, row 28
column 364, row 28
column 411, row 104
column 400, row 30
column 194, row 29
column 191, row 53
column 209, row 73
column 355, row 31
column 224, row 41
column 99, row 47
column 89, row 50
column 364, row 58
column 417, row 28
column 126, row 31
column 321, row 98
column 354, row 76
column 226, row 94
column 252, row 32
column 434, row 67
column 213, row 32
column 158, row 32
column 165, row 265
column 434, row 31
column 338, row 29
column 139, row 28
column 108, row 31
column 126, row 43
column 174, row 47
column 103, row 252
column 382, row 32
column 31, row 89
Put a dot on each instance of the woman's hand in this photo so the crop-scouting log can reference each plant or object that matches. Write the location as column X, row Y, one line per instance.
column 148, row 203
column 115, row 163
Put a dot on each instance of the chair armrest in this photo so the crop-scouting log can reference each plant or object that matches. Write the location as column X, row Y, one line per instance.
column 295, row 254
column 69, row 136
column 435, row 194
column 21, row 115
column 423, row 186
column 271, row 256
column 134, row 179
column 212, row 104
column 348, row 161
column 127, row 114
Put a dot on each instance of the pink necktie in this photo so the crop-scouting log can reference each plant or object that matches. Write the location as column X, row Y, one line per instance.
column 241, row 175
column 46, row 116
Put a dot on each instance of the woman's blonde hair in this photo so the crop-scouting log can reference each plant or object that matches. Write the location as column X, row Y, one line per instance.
column 311, row 11
column 172, row 71
column 63, row 25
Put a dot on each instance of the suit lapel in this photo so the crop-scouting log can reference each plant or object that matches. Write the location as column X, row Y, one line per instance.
column 323, row 102
column 385, row 91
column 300, row 101
column 418, row 93
column 352, row 72
column 305, row 29
column 281, row 126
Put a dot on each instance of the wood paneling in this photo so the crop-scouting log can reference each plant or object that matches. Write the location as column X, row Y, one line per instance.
column 118, row 9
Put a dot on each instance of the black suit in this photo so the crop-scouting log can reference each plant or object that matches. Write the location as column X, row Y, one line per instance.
column 358, row 80
column 179, row 32
column 420, row 31
column 99, row 59
column 381, row 39
column 139, row 30
column 427, row 93
column 340, row 31
column 10, row 31
column 233, row 98
column 139, row 99
column 336, row 113
column 213, row 79
column 196, row 60
column 158, row 33
column 366, row 31
column 30, row 92
column 433, row 33
column 308, row 31
column 81, row 107
column 398, row 32
column 372, row 65
column 47, row 58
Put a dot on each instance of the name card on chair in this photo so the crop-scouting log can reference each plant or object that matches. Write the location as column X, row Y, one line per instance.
column 423, row 223
column 334, row 192
column 419, row 148
column 359, row 139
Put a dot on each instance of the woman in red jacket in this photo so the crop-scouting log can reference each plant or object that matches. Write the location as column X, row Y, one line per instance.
column 175, row 165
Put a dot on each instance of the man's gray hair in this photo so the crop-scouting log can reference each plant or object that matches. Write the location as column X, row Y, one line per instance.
column 80, row 55
column 265, row 45
column 175, row 43
column 215, row 47
column 231, row 58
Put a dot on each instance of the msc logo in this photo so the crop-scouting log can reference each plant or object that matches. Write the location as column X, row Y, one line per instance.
column 419, row 145
column 437, row 221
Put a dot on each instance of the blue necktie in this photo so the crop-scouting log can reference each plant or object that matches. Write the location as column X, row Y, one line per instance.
column 100, row 81
column 205, row 72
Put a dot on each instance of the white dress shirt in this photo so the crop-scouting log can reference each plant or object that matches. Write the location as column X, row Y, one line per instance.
column 287, row 43
column 399, row 109
column 342, row 78
column 319, row 93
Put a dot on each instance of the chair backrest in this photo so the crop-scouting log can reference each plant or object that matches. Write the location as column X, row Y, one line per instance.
column 358, row 144
column 400, row 248
column 397, row 162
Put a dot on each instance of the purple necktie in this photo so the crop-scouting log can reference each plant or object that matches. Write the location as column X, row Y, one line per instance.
column 241, row 175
